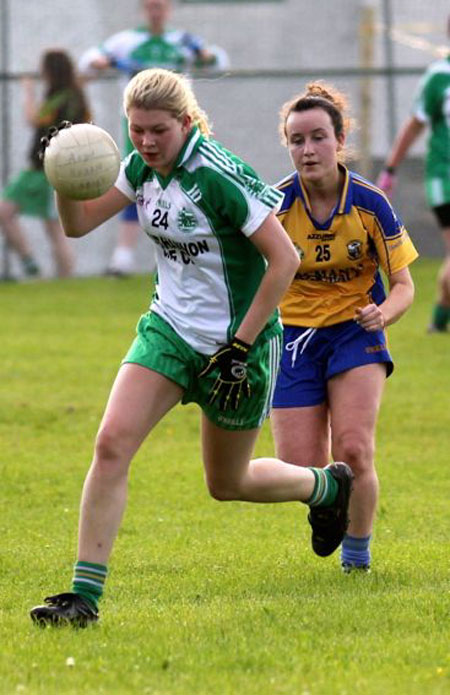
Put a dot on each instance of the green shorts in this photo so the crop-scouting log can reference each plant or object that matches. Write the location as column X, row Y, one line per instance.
column 437, row 191
column 158, row 347
column 32, row 193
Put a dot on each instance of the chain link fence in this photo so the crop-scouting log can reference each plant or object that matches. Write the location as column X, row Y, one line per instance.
column 375, row 51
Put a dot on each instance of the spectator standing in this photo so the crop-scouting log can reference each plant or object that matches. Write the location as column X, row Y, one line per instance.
column 155, row 44
column 29, row 193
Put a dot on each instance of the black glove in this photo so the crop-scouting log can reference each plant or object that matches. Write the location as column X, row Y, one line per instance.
column 51, row 132
column 232, row 382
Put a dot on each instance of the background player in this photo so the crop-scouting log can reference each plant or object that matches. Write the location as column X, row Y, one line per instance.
column 153, row 45
column 432, row 109
column 29, row 193
column 212, row 335
column 335, row 358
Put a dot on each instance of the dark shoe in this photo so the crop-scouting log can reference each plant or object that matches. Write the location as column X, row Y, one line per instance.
column 329, row 524
column 348, row 568
column 30, row 268
column 64, row 609
column 116, row 273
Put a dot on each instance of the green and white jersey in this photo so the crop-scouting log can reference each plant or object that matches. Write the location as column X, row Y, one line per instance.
column 432, row 106
column 201, row 218
column 133, row 50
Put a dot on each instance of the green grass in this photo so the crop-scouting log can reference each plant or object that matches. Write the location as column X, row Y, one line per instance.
column 206, row 598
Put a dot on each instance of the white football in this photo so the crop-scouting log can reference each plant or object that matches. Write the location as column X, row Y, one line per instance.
column 82, row 162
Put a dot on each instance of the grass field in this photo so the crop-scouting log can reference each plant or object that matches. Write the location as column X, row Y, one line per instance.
column 206, row 598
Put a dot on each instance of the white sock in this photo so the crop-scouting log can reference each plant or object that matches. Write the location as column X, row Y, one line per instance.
column 122, row 260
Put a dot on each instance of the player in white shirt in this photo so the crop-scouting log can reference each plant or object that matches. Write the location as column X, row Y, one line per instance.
column 212, row 335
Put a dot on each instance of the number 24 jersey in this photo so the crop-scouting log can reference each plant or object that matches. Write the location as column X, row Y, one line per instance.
column 201, row 218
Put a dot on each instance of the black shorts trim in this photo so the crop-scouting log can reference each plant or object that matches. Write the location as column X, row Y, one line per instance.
column 442, row 213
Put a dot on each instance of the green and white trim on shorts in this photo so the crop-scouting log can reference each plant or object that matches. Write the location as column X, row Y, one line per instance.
column 437, row 190
column 158, row 347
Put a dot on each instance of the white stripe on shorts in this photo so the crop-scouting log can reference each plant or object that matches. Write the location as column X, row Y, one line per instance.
column 274, row 364
column 437, row 192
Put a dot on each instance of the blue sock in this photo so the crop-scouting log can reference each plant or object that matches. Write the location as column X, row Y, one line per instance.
column 355, row 551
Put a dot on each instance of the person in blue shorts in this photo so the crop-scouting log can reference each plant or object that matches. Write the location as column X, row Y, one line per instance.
column 335, row 313
column 153, row 44
column 212, row 335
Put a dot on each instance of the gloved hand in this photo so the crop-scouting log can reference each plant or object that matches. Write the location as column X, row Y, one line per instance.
column 232, row 382
column 51, row 132
column 387, row 181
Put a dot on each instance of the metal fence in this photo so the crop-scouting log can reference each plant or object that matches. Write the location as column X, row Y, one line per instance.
column 243, row 105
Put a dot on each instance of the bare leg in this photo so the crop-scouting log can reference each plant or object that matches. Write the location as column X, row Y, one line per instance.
column 302, row 435
column 62, row 252
column 122, row 261
column 12, row 230
column 139, row 399
column 355, row 398
column 231, row 475
column 443, row 285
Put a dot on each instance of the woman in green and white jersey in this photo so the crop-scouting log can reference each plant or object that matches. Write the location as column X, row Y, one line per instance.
column 212, row 335
column 432, row 109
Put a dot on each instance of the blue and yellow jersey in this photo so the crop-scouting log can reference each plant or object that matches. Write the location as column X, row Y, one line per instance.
column 341, row 258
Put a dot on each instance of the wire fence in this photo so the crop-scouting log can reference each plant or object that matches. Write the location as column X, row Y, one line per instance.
column 243, row 105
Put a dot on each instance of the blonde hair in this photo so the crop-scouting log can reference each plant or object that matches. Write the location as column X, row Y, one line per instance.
column 157, row 88
column 319, row 95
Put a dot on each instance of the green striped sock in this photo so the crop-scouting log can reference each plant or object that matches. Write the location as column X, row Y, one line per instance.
column 88, row 581
column 325, row 488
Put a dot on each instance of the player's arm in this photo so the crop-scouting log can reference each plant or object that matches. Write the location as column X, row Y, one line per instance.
column 230, row 362
column 399, row 299
column 92, row 62
column 404, row 141
column 282, row 263
column 111, row 53
column 406, row 137
column 31, row 109
column 81, row 217
column 205, row 57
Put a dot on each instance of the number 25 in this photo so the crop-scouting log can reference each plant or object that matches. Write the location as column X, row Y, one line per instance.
column 322, row 253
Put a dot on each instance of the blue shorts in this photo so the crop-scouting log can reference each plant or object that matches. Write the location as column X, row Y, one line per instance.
column 312, row 356
column 129, row 214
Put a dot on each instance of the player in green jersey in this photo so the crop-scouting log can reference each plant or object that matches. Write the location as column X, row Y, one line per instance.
column 432, row 109
column 212, row 335
column 154, row 44
column 29, row 192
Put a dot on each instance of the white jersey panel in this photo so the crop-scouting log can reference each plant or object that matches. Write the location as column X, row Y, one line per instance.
column 210, row 156
column 123, row 184
column 191, row 292
column 200, row 220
